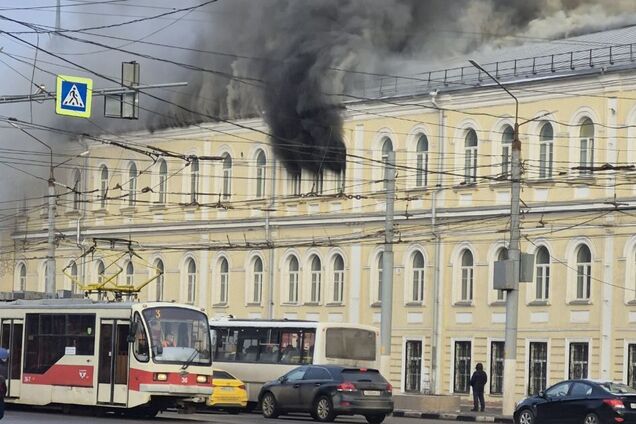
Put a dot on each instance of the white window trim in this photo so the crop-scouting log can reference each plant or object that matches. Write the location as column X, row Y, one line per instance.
column 403, row 364
column 568, row 342
column 526, row 362
column 490, row 340
column 408, row 276
column 453, row 340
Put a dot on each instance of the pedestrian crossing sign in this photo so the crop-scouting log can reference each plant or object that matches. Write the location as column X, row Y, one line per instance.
column 73, row 96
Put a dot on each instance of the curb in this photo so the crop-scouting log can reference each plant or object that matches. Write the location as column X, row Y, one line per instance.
column 452, row 417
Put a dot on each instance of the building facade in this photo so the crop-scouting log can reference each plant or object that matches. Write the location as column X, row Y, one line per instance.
column 237, row 234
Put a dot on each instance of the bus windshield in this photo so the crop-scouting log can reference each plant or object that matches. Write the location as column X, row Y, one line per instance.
column 178, row 335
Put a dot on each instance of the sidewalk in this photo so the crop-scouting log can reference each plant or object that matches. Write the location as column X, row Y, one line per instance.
column 492, row 414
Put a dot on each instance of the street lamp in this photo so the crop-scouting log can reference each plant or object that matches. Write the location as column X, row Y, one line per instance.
column 512, row 297
column 50, row 255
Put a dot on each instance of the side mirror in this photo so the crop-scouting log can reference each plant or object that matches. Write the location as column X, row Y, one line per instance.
column 133, row 330
column 542, row 394
column 282, row 379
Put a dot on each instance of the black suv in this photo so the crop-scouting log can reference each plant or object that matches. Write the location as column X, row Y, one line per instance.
column 326, row 391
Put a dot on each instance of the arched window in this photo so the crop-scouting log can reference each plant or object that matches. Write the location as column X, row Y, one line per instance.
column 132, row 184
column 77, row 189
column 506, row 152
column 194, row 179
column 587, row 147
column 542, row 289
column 417, row 282
column 583, row 272
column 380, row 265
column 293, row 271
column 21, row 277
column 467, row 276
column 257, row 280
column 101, row 271
column 160, row 280
column 130, row 274
column 502, row 255
column 261, row 173
column 470, row 157
column 546, row 150
column 316, row 279
column 387, row 146
column 227, row 177
column 191, row 268
column 224, row 278
column 421, row 178
column 103, row 186
column 163, row 181
column 338, row 279
column 74, row 285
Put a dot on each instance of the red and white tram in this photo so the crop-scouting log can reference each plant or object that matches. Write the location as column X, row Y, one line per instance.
column 142, row 357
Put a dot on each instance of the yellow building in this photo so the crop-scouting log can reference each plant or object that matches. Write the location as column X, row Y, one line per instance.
column 236, row 234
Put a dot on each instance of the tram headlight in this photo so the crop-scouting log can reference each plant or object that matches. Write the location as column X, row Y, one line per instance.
column 160, row 376
column 202, row 379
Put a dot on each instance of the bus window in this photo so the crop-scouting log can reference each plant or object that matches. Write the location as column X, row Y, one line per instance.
column 290, row 345
column 248, row 339
column 309, row 340
column 226, row 344
column 140, row 346
column 350, row 343
column 269, row 345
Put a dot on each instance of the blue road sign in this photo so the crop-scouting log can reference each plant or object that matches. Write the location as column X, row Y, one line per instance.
column 73, row 96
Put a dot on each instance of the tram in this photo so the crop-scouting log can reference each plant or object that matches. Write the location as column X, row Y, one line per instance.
column 128, row 356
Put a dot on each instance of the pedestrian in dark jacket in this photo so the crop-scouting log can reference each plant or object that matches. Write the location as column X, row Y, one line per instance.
column 4, row 373
column 477, row 382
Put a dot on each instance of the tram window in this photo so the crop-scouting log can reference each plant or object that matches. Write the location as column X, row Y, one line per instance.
column 48, row 336
column 140, row 346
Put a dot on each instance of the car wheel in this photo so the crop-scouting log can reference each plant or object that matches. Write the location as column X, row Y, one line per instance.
column 375, row 419
column 525, row 417
column 591, row 418
column 269, row 406
column 323, row 410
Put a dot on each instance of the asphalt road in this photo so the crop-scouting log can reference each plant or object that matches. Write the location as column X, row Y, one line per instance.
column 50, row 417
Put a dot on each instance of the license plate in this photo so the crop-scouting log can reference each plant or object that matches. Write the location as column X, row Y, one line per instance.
column 371, row 392
column 632, row 405
column 227, row 389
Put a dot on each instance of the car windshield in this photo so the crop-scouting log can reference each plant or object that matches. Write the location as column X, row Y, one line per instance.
column 178, row 335
column 618, row 388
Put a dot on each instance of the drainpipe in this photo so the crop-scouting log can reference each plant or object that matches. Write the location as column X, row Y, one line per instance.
column 83, row 206
column 268, row 234
column 436, row 352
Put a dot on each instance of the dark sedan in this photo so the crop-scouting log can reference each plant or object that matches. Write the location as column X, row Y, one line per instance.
column 579, row 402
column 327, row 391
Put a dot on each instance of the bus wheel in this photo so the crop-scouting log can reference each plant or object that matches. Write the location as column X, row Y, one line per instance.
column 269, row 406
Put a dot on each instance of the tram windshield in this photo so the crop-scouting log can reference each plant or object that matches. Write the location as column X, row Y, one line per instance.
column 178, row 335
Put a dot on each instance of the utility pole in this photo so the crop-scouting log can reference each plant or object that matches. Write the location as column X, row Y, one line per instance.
column 512, row 294
column 387, row 269
column 50, row 254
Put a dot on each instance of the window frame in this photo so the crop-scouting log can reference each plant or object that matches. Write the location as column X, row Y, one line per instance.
column 387, row 146
column 461, row 377
column 546, row 151
column 226, row 187
column 586, row 146
column 194, row 179
column 542, row 276
column 583, row 359
column 507, row 138
column 421, row 161
column 418, row 276
column 162, row 166
column 497, row 361
column 470, row 156
column 293, row 280
column 338, row 276
column 315, row 289
column 103, row 186
column 191, row 280
column 132, row 184
column 257, row 280
column 583, row 274
column 467, row 277
column 261, row 173
column 224, row 281
column 542, row 362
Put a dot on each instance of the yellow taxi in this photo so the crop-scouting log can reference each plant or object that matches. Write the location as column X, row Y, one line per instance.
column 228, row 393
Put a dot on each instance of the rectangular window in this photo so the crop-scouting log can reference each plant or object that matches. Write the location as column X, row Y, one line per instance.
column 260, row 181
column 258, row 284
column 339, row 182
column 462, row 367
column 545, row 160
column 583, row 281
column 315, row 286
column 421, row 178
column 467, row 284
column 537, row 367
column 338, row 286
column 318, row 183
column 295, row 183
column 631, row 365
column 226, row 343
column 293, row 287
column 496, row 367
column 470, row 166
column 578, row 360
column 49, row 335
column 543, row 282
column 587, row 156
column 413, row 366
column 350, row 343
column 224, row 283
column 418, row 285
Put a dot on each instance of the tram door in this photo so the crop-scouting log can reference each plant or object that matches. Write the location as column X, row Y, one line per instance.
column 112, row 379
column 12, row 339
